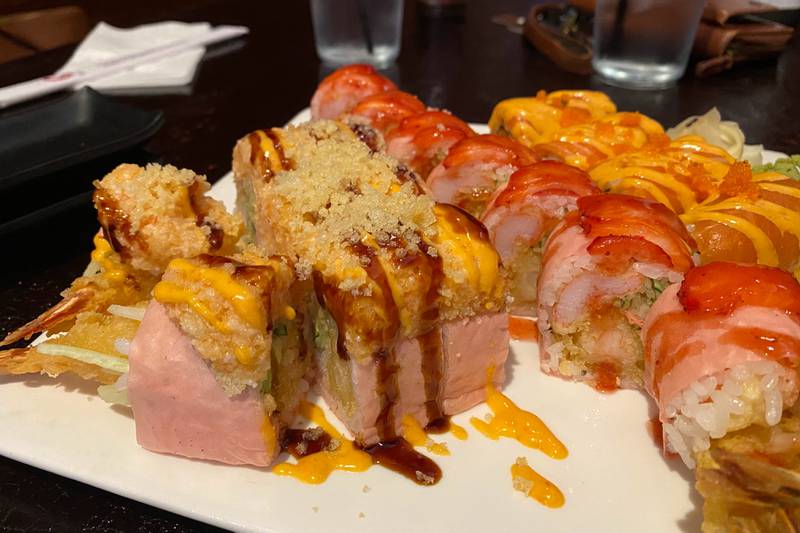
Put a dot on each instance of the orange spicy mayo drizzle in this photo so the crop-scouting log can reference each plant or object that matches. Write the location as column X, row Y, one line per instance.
column 523, row 329
column 417, row 437
column 527, row 480
column 515, row 423
column 316, row 468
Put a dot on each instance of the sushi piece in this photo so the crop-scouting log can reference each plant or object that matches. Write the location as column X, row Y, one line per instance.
column 679, row 175
column 474, row 168
column 587, row 144
column 408, row 306
column 535, row 120
column 722, row 351
column 218, row 363
column 521, row 216
column 149, row 216
column 422, row 141
column 602, row 269
column 384, row 111
column 751, row 218
column 750, row 478
column 340, row 91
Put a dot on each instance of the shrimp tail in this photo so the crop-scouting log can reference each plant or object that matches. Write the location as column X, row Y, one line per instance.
column 73, row 303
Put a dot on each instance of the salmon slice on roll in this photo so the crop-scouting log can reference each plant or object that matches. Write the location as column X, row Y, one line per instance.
column 751, row 218
column 586, row 145
column 341, row 90
column 422, row 141
column 537, row 119
column 218, row 365
column 521, row 216
column 475, row 168
column 407, row 310
column 384, row 111
column 679, row 174
column 722, row 350
column 602, row 269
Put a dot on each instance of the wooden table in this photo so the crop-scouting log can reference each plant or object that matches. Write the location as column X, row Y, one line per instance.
column 464, row 64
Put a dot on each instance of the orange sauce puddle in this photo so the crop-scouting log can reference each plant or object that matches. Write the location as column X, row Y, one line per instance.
column 317, row 467
column 508, row 420
column 533, row 484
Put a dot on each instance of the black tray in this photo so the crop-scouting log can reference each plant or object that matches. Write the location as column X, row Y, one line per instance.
column 43, row 138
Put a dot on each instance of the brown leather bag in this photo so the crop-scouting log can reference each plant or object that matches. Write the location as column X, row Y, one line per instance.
column 730, row 32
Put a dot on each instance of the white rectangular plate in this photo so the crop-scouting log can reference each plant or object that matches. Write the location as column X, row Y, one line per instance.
column 615, row 478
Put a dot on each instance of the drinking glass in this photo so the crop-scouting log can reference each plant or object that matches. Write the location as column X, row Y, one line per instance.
column 357, row 31
column 644, row 44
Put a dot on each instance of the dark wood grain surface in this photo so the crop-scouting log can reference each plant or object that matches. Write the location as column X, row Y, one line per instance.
column 465, row 64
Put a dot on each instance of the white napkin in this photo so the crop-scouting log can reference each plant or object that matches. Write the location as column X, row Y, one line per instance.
column 106, row 42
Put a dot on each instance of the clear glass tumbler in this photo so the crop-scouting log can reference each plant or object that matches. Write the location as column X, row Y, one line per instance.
column 644, row 44
column 357, row 31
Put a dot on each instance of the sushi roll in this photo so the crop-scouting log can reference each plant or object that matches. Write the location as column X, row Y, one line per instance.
column 722, row 350
column 475, row 168
column 602, row 269
column 537, row 119
column 218, row 364
column 587, row 144
column 521, row 216
column 422, row 141
column 407, row 310
column 751, row 218
column 149, row 216
column 678, row 174
column 340, row 91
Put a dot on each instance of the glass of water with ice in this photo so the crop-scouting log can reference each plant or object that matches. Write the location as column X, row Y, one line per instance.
column 644, row 44
column 357, row 31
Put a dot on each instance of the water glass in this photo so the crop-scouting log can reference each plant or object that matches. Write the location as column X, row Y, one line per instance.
column 644, row 44
column 357, row 31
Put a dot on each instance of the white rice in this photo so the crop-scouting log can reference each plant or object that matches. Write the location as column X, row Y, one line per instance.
column 753, row 393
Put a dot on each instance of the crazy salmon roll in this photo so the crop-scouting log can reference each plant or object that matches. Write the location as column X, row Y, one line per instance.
column 422, row 141
column 722, row 350
column 678, row 174
column 475, row 168
column 602, row 269
column 586, row 145
column 533, row 120
column 341, row 90
column 218, row 364
column 521, row 216
column 751, row 218
column 407, row 310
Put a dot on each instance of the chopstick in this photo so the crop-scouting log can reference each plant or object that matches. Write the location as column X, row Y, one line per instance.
column 68, row 80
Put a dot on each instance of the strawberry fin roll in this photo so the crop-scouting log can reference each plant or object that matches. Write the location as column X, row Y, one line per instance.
column 602, row 269
column 521, row 216
column 721, row 353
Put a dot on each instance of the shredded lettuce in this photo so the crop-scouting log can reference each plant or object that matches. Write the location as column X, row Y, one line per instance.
column 788, row 166
column 279, row 330
column 108, row 362
column 126, row 311
column 639, row 303
column 266, row 384
column 325, row 331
